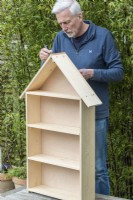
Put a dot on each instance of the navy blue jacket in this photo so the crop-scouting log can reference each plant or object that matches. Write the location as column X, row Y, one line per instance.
column 98, row 52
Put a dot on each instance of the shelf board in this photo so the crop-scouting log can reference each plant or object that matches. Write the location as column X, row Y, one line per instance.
column 56, row 193
column 53, row 94
column 58, row 161
column 57, row 128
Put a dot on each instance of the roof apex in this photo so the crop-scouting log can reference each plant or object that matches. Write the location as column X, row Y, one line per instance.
column 63, row 62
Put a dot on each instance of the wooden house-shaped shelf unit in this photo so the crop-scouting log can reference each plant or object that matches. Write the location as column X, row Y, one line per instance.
column 60, row 120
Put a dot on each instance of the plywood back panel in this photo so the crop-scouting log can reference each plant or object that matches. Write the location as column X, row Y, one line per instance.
column 60, row 111
column 57, row 82
column 60, row 145
column 62, row 178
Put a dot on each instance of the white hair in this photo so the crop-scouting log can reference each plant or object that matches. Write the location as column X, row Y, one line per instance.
column 72, row 5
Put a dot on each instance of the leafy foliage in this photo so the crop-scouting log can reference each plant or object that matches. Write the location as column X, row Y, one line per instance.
column 25, row 26
column 19, row 172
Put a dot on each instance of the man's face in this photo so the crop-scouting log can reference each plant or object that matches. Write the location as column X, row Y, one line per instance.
column 70, row 24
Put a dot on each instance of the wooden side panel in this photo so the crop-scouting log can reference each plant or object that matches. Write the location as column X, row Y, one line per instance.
column 33, row 109
column 87, row 143
column 34, row 174
column 34, row 141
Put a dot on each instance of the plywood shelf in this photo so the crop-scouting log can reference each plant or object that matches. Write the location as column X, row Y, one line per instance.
column 53, row 94
column 56, row 193
column 62, row 162
column 55, row 127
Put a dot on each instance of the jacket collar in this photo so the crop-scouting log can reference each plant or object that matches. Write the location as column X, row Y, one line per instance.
column 91, row 31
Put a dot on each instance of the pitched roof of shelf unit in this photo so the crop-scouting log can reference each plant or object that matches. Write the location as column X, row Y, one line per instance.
column 72, row 74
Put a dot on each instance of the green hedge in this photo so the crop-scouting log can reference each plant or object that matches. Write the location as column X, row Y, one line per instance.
column 25, row 26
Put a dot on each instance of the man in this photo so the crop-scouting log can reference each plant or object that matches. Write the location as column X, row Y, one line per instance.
column 92, row 50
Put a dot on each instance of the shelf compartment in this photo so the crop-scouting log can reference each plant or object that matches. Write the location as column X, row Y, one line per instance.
column 50, row 180
column 64, row 112
column 53, row 192
column 53, row 94
column 62, row 162
column 53, row 144
column 56, row 127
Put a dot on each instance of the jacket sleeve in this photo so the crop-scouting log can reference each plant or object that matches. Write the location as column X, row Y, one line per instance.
column 56, row 44
column 111, row 57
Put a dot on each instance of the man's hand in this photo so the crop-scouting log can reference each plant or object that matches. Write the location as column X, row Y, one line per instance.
column 87, row 73
column 44, row 54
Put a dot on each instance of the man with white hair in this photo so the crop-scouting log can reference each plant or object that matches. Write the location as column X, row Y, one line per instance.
column 92, row 49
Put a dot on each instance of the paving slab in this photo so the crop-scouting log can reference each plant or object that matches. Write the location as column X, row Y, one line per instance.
column 23, row 194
